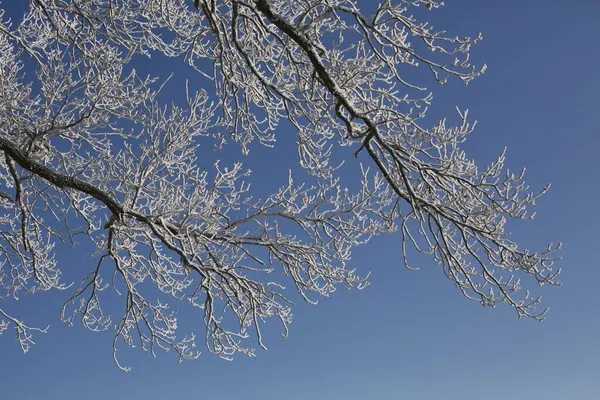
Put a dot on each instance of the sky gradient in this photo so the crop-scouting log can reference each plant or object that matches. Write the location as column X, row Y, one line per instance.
column 411, row 335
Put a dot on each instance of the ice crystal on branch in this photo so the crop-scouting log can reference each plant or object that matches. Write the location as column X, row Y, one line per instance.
column 90, row 149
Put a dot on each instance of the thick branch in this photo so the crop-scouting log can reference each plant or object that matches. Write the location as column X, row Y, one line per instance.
column 60, row 180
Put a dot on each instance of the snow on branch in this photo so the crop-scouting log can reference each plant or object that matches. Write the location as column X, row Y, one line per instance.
column 90, row 149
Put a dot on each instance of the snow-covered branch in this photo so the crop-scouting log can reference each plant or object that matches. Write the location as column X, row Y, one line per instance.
column 91, row 150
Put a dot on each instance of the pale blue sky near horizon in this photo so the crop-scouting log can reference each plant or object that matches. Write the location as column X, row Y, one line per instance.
column 411, row 335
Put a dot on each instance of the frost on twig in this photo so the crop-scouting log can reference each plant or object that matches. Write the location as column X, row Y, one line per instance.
column 90, row 150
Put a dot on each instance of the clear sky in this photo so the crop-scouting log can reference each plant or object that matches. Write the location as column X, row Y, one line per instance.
column 411, row 335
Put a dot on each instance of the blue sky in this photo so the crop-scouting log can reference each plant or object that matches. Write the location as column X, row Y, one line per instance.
column 411, row 334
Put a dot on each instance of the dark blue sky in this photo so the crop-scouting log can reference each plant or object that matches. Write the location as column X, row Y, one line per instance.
column 411, row 334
